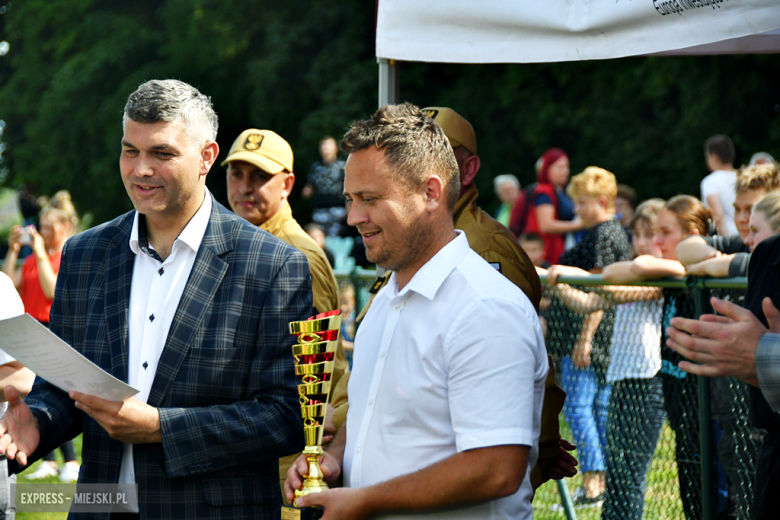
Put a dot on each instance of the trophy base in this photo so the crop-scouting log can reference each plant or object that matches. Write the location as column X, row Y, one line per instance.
column 296, row 513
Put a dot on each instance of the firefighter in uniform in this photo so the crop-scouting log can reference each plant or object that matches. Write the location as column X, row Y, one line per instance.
column 260, row 178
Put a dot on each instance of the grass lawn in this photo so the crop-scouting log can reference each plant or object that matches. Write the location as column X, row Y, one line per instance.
column 50, row 480
column 662, row 496
column 662, row 499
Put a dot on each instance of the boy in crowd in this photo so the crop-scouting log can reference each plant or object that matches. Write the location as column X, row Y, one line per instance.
column 533, row 245
column 728, row 256
column 585, row 351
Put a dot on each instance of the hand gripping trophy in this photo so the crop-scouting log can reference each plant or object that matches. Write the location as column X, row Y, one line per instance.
column 317, row 342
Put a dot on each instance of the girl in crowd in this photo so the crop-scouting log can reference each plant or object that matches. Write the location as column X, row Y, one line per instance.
column 550, row 210
column 764, row 220
column 36, row 282
column 681, row 216
column 636, row 405
column 635, row 411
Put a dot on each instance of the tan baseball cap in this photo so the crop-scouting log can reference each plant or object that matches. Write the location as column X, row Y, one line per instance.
column 263, row 148
column 458, row 130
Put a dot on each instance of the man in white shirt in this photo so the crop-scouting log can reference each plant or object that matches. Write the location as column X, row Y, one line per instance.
column 11, row 373
column 718, row 189
column 449, row 362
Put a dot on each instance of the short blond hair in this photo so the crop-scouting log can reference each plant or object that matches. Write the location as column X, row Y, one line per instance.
column 594, row 182
column 414, row 147
column 758, row 177
column 769, row 207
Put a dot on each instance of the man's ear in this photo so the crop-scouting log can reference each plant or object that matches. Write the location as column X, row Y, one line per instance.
column 208, row 157
column 470, row 168
column 604, row 202
column 289, row 182
column 433, row 194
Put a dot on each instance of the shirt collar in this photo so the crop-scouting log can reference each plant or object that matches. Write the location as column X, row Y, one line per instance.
column 427, row 280
column 191, row 235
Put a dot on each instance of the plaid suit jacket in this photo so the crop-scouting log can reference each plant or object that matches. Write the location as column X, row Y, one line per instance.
column 225, row 385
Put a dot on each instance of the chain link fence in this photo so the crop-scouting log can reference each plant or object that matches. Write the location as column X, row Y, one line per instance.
column 653, row 441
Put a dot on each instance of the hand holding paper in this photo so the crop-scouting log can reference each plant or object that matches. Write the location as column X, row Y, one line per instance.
column 131, row 421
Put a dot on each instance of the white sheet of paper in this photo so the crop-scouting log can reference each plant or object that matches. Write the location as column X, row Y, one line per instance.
column 40, row 350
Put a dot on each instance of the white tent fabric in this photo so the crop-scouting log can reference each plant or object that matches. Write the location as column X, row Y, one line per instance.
column 535, row 31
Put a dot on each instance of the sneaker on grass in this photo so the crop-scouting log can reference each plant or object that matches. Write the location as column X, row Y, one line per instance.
column 45, row 470
column 70, row 472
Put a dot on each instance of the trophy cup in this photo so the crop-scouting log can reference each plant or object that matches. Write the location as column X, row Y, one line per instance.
column 318, row 339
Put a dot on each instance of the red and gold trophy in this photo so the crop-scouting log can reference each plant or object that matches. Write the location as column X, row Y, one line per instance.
column 318, row 338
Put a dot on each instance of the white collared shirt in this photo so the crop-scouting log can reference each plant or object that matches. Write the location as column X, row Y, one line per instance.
column 452, row 362
column 154, row 297
column 11, row 306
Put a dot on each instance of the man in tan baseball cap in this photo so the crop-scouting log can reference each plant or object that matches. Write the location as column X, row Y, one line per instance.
column 260, row 178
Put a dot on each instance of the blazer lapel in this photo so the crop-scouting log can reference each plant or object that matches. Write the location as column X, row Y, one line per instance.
column 119, row 276
column 207, row 274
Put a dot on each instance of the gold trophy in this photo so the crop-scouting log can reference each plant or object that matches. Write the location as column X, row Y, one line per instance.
column 314, row 353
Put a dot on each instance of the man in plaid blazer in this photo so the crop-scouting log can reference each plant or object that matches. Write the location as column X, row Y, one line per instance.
column 221, row 407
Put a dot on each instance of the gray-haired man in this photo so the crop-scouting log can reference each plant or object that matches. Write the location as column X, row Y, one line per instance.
column 190, row 304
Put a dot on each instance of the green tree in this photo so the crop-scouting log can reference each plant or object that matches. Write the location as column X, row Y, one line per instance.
column 306, row 69
column 302, row 69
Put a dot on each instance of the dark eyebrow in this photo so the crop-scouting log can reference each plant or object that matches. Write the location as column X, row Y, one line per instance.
column 127, row 144
column 360, row 193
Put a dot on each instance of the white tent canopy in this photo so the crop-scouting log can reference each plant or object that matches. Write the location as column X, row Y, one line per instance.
column 535, row 31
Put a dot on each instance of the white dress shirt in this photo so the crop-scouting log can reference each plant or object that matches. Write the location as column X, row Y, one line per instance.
column 452, row 362
column 155, row 292
column 11, row 306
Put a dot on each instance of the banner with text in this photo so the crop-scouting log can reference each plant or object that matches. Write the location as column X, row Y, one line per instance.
column 530, row 31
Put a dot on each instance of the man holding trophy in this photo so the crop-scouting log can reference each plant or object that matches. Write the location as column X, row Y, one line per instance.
column 449, row 370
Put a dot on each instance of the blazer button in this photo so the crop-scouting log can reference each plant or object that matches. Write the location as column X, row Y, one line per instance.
column 192, row 469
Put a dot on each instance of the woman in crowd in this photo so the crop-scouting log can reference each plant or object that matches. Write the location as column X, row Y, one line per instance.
column 507, row 189
column 550, row 210
column 36, row 282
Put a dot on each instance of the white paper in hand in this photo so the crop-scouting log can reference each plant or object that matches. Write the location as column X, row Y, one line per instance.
column 40, row 350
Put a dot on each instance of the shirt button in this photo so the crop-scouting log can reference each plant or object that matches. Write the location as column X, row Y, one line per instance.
column 370, row 402
column 396, row 306
column 359, row 449
column 382, row 354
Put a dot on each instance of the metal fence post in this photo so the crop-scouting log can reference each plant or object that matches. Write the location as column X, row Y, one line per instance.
column 702, row 306
column 568, row 505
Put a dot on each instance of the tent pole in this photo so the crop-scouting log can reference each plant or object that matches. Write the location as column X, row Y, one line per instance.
column 389, row 84
column 389, row 94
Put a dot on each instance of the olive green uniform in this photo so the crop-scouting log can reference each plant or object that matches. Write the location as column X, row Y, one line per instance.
column 325, row 289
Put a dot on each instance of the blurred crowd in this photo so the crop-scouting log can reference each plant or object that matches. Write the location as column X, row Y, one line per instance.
column 609, row 345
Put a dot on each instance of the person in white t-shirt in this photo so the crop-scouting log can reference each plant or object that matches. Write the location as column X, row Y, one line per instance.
column 11, row 373
column 718, row 189
column 449, row 368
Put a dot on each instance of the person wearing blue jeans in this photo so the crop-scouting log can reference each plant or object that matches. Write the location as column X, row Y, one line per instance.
column 585, row 409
